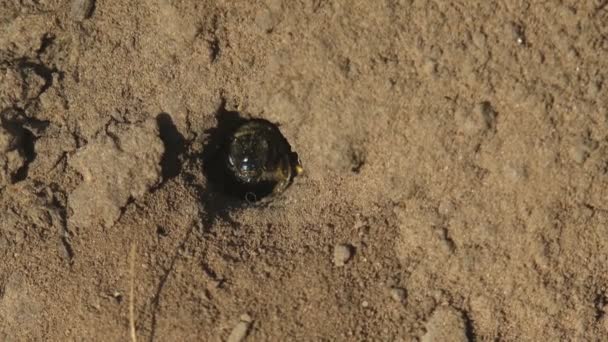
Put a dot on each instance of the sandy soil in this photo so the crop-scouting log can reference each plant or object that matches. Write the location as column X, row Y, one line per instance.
column 456, row 157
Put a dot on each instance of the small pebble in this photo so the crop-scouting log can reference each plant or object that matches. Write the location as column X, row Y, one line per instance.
column 436, row 52
column 81, row 9
column 604, row 44
column 479, row 39
column 398, row 294
column 579, row 153
column 446, row 207
column 264, row 20
column 240, row 330
column 515, row 173
column 517, row 32
column 430, row 67
column 445, row 324
column 342, row 254
column 19, row 237
column 365, row 304
column 572, row 54
column 594, row 87
column 481, row 118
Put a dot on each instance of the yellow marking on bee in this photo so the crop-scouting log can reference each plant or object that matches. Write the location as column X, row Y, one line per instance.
column 243, row 133
column 299, row 169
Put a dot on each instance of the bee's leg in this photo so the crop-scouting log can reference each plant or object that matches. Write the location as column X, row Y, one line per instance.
column 281, row 176
column 287, row 174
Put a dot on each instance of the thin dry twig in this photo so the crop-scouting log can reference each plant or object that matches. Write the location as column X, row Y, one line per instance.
column 131, row 293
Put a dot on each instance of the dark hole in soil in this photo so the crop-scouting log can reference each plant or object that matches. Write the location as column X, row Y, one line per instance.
column 469, row 328
column 29, row 153
column 601, row 302
column 23, row 129
column 162, row 231
column 357, row 160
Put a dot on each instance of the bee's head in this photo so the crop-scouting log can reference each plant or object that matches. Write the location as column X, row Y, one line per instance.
column 248, row 155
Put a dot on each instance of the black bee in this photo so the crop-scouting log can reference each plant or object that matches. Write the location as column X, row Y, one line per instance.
column 255, row 160
column 259, row 157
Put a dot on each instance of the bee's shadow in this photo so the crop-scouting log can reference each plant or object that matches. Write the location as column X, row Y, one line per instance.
column 175, row 145
column 215, row 199
column 220, row 194
column 180, row 161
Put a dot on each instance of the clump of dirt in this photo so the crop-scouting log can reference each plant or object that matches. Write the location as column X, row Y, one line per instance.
column 446, row 324
column 119, row 167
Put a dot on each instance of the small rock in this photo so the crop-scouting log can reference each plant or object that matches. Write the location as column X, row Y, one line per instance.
column 445, row 324
column 515, row 173
column 480, row 119
column 572, row 53
column 517, row 32
column 360, row 222
column 117, row 295
column 241, row 329
column 436, row 52
column 264, row 20
column 446, row 207
column 365, row 304
column 19, row 237
column 430, row 67
column 594, row 87
column 479, row 39
column 579, row 153
column 342, row 254
column 3, row 244
column 582, row 148
column 81, row 9
column 398, row 294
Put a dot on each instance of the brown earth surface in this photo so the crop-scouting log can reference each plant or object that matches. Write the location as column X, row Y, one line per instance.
column 455, row 185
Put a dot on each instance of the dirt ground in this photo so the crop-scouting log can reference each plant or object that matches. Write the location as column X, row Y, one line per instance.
column 455, row 185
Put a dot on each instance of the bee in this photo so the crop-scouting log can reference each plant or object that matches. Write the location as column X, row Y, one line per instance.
column 259, row 160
